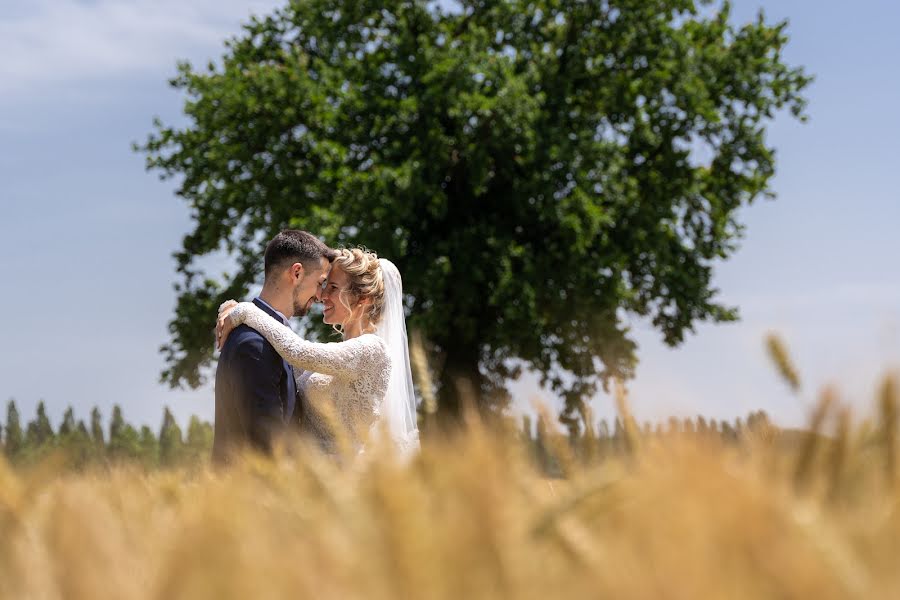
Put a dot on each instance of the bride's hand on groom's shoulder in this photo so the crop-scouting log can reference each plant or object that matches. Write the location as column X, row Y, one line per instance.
column 223, row 323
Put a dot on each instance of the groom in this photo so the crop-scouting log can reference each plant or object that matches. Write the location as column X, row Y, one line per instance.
column 255, row 391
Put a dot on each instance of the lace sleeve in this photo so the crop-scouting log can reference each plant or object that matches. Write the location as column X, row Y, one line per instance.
column 335, row 358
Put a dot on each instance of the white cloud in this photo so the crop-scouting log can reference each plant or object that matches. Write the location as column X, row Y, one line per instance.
column 69, row 41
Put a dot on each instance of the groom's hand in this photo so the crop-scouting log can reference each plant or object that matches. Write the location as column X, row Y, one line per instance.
column 223, row 323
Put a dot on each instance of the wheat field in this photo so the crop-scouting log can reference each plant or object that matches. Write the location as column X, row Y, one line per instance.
column 674, row 516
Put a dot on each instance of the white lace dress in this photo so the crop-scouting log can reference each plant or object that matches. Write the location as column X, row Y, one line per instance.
column 345, row 379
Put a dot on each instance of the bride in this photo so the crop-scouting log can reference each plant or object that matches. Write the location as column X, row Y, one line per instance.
column 362, row 384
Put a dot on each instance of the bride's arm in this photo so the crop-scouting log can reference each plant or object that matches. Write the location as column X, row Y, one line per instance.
column 334, row 358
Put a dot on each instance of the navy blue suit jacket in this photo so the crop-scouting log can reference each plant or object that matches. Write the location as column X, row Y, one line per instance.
column 255, row 393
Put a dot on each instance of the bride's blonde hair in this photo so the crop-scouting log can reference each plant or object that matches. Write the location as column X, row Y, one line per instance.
column 366, row 281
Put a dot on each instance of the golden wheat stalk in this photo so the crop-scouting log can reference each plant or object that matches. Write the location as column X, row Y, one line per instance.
column 888, row 408
column 778, row 353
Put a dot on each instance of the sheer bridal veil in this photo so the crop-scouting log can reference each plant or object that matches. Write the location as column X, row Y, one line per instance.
column 399, row 408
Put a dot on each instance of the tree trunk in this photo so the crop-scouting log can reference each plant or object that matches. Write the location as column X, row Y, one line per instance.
column 460, row 385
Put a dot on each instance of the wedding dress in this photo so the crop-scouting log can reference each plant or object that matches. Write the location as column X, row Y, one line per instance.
column 344, row 380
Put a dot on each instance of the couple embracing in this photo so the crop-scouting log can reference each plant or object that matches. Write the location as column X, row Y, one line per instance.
column 270, row 381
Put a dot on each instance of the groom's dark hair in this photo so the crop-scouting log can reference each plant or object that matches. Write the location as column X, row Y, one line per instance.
column 292, row 246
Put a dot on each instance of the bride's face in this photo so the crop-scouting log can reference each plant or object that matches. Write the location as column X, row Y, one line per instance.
column 339, row 303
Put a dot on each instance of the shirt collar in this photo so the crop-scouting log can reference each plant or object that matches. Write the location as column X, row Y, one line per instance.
column 277, row 312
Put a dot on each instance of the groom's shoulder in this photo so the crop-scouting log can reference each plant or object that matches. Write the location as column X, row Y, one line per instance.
column 247, row 341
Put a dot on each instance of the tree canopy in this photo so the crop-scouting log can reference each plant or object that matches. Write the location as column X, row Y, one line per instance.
column 539, row 170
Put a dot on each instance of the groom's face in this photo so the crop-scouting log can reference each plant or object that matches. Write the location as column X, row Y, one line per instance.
column 306, row 286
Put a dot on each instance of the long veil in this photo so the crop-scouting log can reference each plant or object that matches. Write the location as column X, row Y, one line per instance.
column 399, row 408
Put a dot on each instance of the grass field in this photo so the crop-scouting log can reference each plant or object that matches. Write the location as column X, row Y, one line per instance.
column 812, row 515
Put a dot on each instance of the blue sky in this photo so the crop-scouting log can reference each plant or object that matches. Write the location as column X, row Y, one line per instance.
column 86, row 235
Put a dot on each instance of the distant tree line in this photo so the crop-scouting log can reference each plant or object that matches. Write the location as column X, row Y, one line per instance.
column 552, row 448
column 80, row 444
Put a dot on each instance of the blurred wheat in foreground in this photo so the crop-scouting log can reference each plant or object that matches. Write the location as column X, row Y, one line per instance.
column 677, row 516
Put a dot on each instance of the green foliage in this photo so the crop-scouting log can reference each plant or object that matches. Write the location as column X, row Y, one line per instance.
column 97, row 428
column 171, row 444
column 14, row 440
column 79, row 446
column 538, row 170
column 68, row 426
column 199, row 440
column 76, row 444
column 116, row 430
column 39, row 434
column 149, row 448
column 124, row 440
column 553, row 450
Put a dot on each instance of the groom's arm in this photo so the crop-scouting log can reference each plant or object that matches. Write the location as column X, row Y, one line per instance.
column 260, row 385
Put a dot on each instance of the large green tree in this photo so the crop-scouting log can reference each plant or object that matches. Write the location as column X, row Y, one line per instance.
column 539, row 170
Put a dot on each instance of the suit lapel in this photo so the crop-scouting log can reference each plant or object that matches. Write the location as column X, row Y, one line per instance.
column 289, row 399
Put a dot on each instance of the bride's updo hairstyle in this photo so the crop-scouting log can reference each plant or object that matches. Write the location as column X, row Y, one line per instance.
column 366, row 281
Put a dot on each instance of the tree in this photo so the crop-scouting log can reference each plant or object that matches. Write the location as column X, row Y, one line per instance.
column 149, row 447
column 40, row 432
column 538, row 170
column 124, row 440
column 199, row 439
column 70, row 440
column 97, row 428
column 702, row 427
column 116, row 429
column 76, row 442
column 729, row 433
column 13, row 440
column 171, row 449
column 68, row 426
